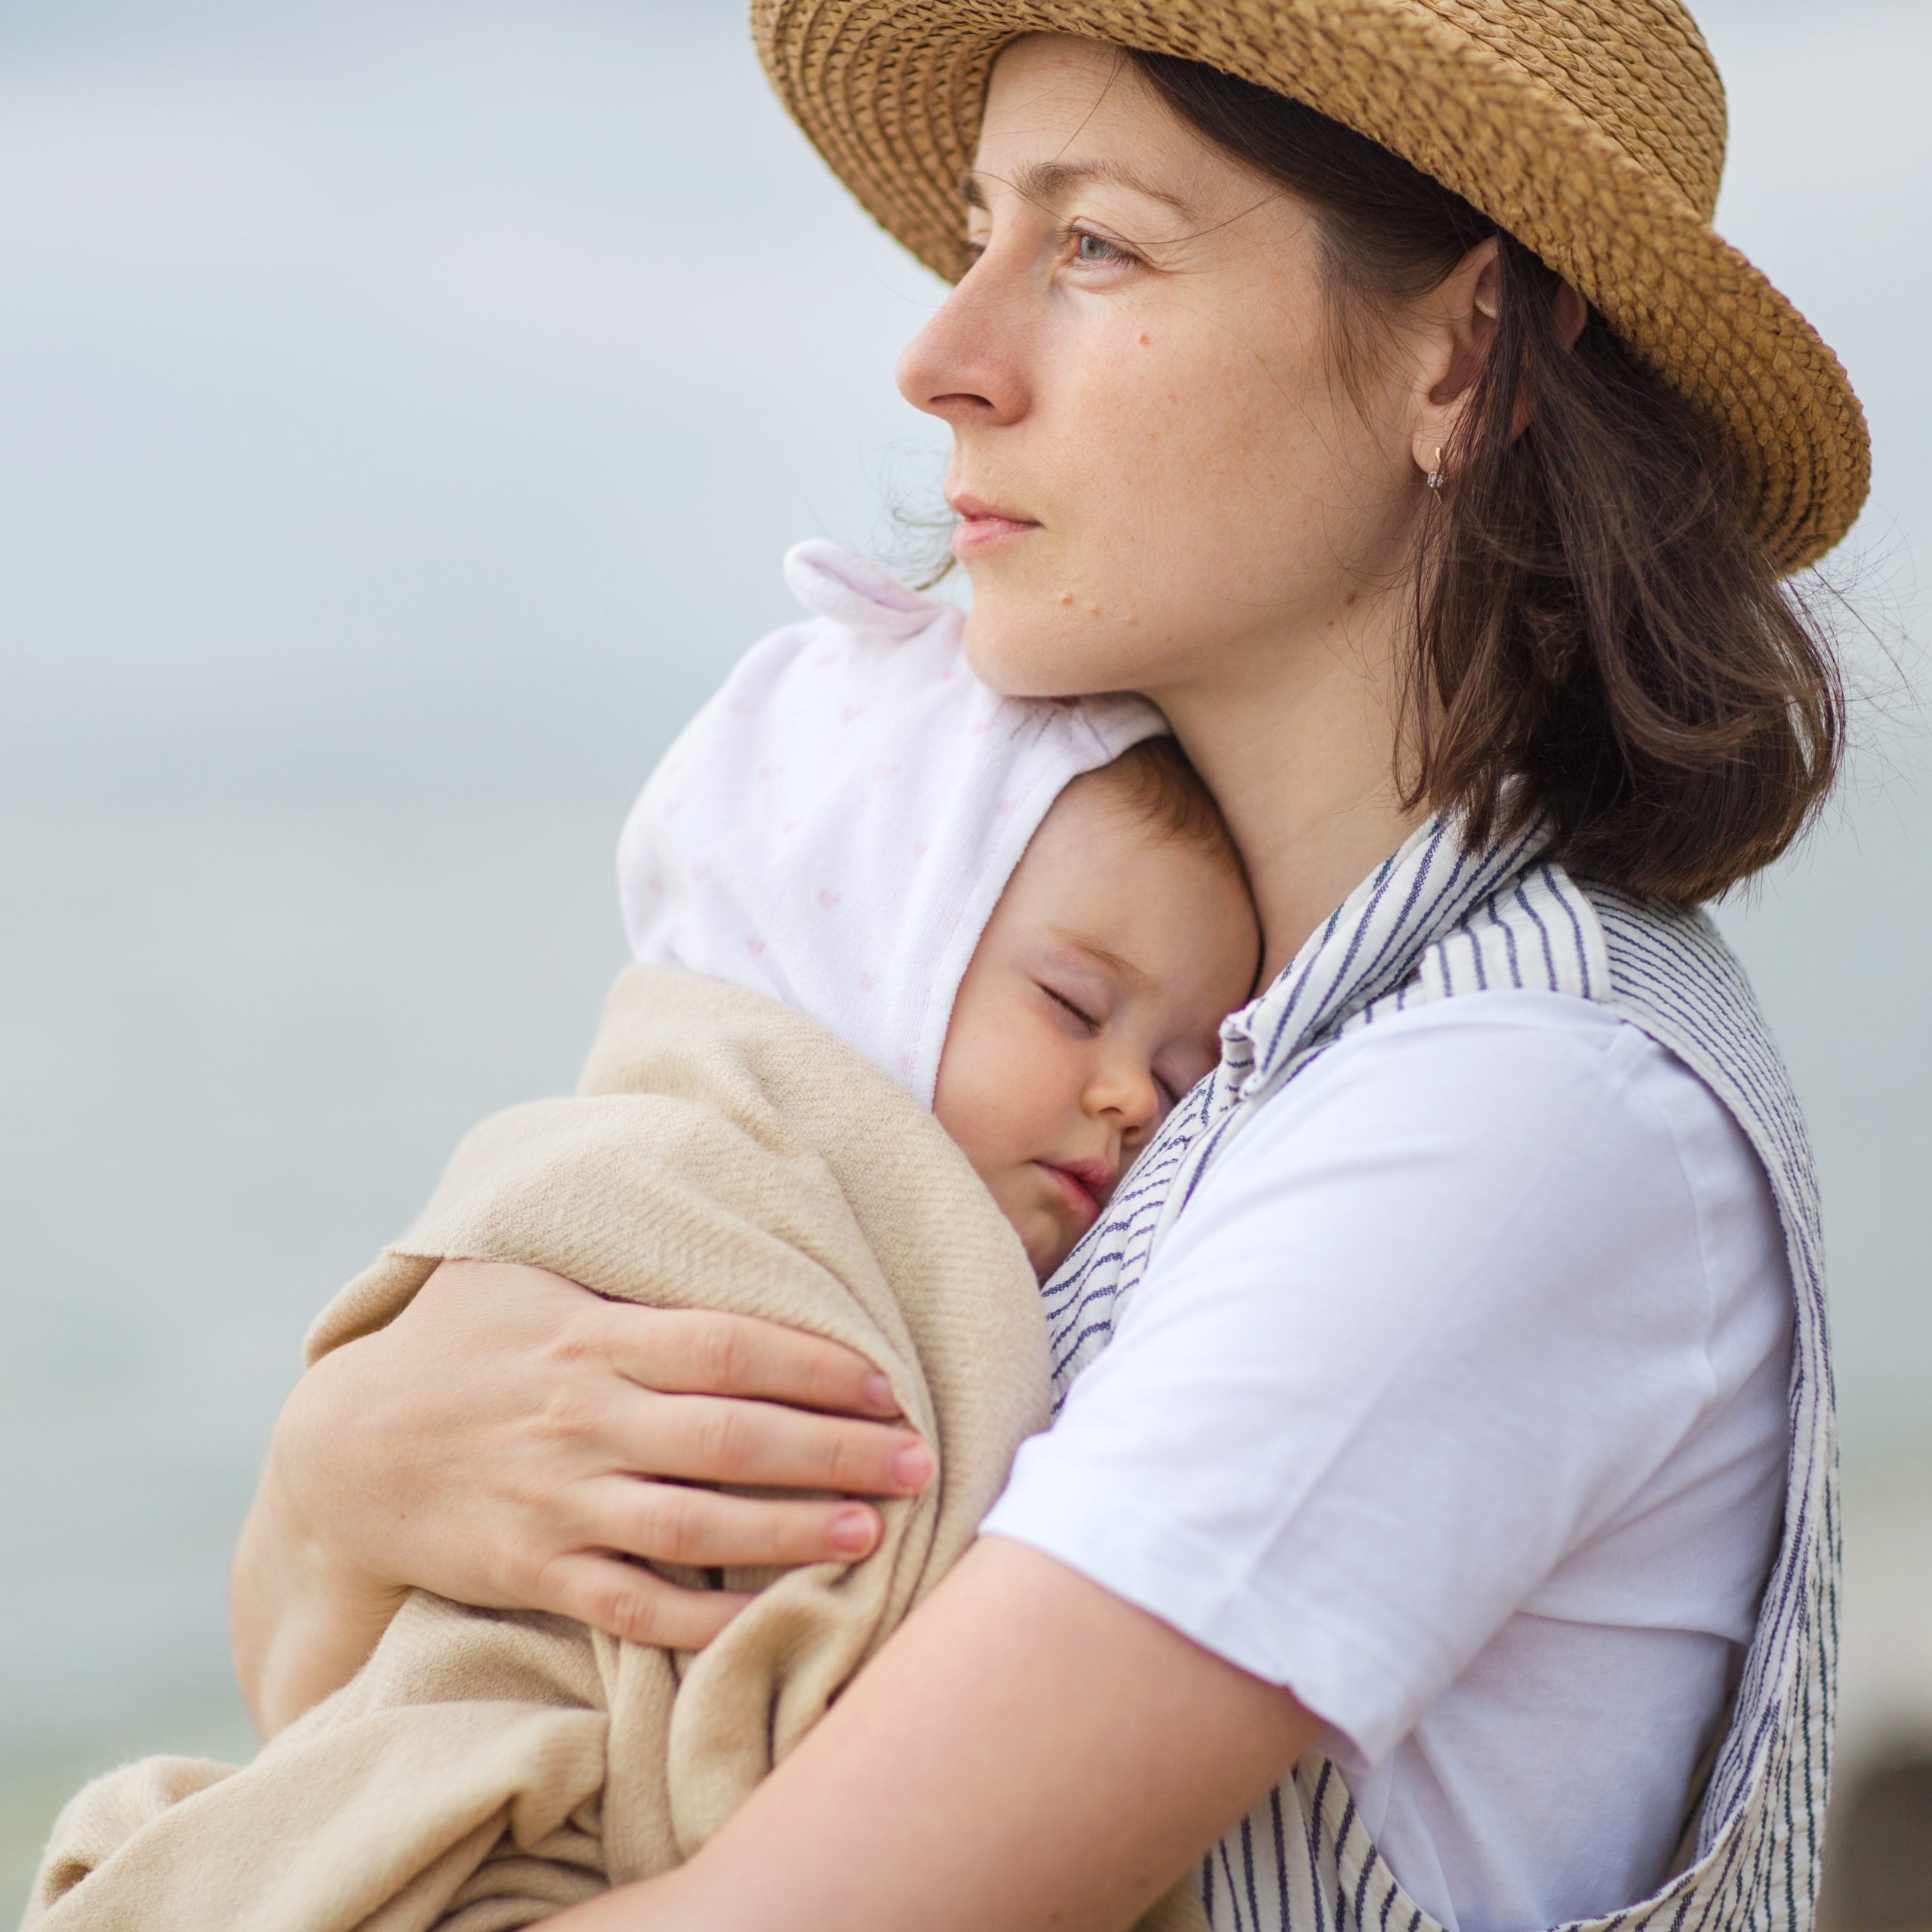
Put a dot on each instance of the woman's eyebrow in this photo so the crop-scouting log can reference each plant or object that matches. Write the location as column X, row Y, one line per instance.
column 1048, row 180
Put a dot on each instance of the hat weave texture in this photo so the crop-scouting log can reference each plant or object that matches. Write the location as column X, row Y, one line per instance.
column 1593, row 131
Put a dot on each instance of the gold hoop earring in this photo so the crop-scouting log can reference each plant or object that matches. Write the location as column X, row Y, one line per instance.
column 1435, row 475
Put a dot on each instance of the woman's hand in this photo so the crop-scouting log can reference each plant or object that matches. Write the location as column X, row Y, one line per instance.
column 511, row 1438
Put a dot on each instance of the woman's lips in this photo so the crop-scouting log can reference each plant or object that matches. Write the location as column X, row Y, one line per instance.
column 982, row 524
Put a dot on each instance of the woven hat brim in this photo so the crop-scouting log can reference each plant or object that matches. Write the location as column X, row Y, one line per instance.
column 890, row 93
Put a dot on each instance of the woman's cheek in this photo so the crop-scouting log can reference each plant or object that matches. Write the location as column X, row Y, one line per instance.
column 1113, row 599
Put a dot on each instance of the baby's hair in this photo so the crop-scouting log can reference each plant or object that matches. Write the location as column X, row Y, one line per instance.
column 1156, row 781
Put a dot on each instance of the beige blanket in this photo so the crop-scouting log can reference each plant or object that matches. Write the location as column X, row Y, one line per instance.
column 486, row 1768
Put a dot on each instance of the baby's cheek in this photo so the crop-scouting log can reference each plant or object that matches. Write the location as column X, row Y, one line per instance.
column 957, row 1108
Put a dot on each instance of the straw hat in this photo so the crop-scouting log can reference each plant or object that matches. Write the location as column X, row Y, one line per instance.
column 1593, row 130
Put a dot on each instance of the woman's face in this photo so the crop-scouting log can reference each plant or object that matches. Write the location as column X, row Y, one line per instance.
column 1159, row 472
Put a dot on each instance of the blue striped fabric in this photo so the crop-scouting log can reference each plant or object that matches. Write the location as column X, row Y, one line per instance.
column 1437, row 921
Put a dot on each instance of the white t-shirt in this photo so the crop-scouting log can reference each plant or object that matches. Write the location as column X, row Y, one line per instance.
column 1456, row 1402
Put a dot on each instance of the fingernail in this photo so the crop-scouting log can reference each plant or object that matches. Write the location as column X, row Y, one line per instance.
column 851, row 1533
column 912, row 1467
column 878, row 1394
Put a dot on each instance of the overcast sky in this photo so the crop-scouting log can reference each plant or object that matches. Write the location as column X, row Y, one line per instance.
column 419, row 396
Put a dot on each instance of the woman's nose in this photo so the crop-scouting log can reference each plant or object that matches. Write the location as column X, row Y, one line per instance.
column 965, row 365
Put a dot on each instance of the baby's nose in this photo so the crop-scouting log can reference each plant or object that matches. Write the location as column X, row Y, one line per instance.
column 1134, row 1100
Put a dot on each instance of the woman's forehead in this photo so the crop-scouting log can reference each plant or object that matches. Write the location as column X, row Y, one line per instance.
column 1063, row 114
column 1056, row 101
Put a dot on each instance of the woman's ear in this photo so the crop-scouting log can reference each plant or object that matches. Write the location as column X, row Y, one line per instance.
column 1572, row 313
column 1460, row 333
column 1458, row 326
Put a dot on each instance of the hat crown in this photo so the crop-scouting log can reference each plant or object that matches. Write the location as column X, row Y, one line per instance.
column 1639, row 70
column 1591, row 130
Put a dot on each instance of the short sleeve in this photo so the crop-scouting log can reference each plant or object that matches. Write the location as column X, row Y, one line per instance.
column 1432, row 1319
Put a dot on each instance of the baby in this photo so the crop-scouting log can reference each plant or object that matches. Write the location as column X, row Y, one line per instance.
column 1093, row 1001
column 1030, row 920
column 1032, row 914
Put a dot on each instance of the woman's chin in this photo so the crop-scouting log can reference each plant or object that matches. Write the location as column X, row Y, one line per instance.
column 1029, row 646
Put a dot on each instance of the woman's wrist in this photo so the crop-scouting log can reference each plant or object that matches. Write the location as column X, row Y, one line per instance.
column 329, row 1622
column 303, row 1614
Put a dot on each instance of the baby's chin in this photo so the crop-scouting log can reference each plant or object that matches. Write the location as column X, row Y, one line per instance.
column 1046, row 1248
column 1045, row 1266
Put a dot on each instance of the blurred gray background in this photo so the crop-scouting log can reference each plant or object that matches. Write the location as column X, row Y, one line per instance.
column 403, row 409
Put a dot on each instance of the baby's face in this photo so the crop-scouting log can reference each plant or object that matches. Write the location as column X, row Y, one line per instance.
column 1094, row 1002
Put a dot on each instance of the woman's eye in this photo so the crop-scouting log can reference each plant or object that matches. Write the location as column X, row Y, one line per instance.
column 1093, row 250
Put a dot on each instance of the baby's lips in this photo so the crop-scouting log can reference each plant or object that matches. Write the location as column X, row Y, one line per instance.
column 1075, row 1191
column 1096, row 1176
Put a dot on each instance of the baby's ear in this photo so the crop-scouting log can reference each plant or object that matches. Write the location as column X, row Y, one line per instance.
column 838, row 583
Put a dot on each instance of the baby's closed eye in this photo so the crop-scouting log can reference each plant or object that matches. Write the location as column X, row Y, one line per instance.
column 1068, row 1004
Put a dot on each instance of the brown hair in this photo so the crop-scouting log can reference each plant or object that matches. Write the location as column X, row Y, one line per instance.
column 1155, row 781
column 1599, row 633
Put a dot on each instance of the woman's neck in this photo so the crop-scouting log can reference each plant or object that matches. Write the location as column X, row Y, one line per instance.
column 1302, row 759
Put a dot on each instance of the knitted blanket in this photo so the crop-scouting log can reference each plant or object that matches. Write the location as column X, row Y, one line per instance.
column 486, row 1768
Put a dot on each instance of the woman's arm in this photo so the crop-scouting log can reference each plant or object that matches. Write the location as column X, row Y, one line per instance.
column 510, row 1439
column 1401, row 1357
column 1027, row 1751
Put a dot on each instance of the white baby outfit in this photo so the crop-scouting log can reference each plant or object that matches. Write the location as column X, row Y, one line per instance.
column 835, row 828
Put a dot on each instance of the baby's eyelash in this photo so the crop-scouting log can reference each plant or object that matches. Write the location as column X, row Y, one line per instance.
column 1086, row 1020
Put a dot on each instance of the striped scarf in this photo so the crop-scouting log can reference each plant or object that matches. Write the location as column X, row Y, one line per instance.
column 1437, row 921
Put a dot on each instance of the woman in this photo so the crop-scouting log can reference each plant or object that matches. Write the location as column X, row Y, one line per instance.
column 1445, row 1410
